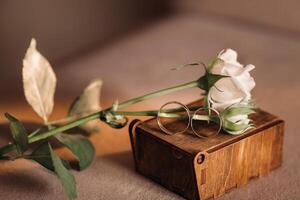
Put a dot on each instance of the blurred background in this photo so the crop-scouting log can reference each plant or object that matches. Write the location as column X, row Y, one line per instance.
column 132, row 45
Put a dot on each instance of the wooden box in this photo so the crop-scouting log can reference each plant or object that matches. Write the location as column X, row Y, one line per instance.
column 198, row 168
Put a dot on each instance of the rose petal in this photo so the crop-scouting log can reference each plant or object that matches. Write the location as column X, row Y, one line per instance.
column 226, row 90
column 229, row 56
column 244, row 81
column 237, row 88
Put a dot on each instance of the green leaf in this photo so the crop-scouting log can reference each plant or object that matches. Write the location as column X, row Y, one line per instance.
column 208, row 80
column 42, row 156
column 19, row 133
column 45, row 156
column 80, row 146
column 231, row 126
column 238, row 110
column 4, row 157
column 5, row 149
column 212, row 63
column 66, row 177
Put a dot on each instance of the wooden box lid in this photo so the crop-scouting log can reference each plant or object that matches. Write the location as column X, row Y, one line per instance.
column 191, row 144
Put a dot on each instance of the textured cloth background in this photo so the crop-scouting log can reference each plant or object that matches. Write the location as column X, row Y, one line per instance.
column 140, row 63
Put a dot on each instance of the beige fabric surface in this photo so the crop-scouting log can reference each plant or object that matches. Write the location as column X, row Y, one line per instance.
column 139, row 63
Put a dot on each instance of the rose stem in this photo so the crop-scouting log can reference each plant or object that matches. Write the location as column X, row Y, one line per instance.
column 6, row 149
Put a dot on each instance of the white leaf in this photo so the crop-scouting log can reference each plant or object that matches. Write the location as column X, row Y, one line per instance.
column 39, row 82
column 88, row 102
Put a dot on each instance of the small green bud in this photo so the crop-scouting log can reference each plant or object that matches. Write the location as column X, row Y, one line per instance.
column 235, row 119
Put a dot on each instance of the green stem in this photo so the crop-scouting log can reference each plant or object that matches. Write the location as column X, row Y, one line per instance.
column 10, row 147
column 166, row 113
column 139, row 99
column 202, row 117
column 136, row 113
column 68, row 126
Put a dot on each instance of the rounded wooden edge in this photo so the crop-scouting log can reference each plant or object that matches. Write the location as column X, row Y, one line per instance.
column 200, row 161
column 132, row 133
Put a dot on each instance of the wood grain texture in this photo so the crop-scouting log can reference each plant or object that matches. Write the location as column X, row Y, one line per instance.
column 208, row 168
column 234, row 165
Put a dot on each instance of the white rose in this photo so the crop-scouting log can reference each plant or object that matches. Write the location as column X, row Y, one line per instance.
column 232, row 90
